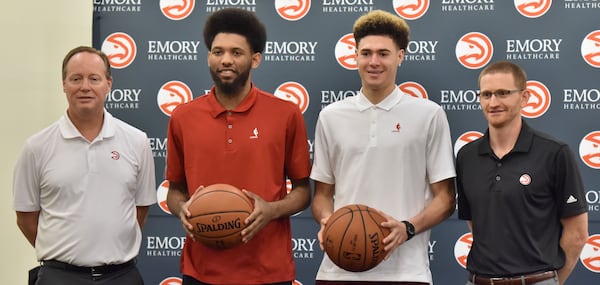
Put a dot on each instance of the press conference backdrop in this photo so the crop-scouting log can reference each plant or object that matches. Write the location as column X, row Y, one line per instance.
column 159, row 61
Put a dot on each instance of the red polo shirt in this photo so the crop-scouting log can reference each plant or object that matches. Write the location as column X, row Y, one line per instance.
column 254, row 147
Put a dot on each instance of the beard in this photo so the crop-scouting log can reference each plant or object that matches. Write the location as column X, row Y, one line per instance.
column 230, row 89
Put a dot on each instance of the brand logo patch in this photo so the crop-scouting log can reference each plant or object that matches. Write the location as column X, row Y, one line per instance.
column 525, row 179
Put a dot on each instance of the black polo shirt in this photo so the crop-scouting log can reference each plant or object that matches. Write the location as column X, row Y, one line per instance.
column 516, row 203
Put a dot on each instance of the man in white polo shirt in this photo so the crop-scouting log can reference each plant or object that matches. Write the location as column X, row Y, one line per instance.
column 387, row 150
column 82, row 186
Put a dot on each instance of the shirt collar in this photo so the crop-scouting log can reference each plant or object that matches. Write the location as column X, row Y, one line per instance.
column 523, row 143
column 216, row 108
column 69, row 131
column 387, row 104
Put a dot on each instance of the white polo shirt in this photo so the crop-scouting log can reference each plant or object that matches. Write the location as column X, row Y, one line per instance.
column 86, row 192
column 384, row 156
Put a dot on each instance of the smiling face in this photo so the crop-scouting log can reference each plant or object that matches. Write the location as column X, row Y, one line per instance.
column 230, row 61
column 378, row 58
column 86, row 84
column 502, row 111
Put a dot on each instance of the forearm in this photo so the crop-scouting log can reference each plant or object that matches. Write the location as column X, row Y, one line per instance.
column 297, row 200
column 176, row 197
column 441, row 206
column 572, row 251
column 141, row 214
column 572, row 241
column 322, row 205
column 28, row 224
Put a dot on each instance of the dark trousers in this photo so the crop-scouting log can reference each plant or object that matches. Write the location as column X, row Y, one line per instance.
column 188, row 280
column 53, row 276
column 322, row 282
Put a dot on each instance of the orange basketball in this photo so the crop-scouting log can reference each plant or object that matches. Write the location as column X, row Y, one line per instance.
column 353, row 238
column 218, row 215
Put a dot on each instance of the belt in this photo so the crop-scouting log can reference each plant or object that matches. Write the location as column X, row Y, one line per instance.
column 95, row 271
column 514, row 280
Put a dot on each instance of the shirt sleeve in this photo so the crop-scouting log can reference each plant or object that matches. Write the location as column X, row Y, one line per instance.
column 298, row 159
column 174, row 170
column 26, row 182
column 464, row 209
column 571, row 194
column 321, row 169
column 439, row 154
column 146, row 182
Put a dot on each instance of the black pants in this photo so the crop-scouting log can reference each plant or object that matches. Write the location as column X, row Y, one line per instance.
column 53, row 276
column 188, row 280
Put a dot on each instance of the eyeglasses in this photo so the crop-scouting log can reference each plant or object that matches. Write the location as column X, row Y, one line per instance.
column 500, row 93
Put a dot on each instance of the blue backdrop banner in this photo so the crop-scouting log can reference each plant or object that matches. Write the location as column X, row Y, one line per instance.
column 159, row 61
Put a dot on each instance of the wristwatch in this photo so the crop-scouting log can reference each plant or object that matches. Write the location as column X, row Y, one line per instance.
column 410, row 229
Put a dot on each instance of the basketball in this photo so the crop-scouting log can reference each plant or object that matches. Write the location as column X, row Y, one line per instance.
column 218, row 214
column 353, row 238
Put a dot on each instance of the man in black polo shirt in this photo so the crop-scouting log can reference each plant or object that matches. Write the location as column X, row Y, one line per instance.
column 520, row 191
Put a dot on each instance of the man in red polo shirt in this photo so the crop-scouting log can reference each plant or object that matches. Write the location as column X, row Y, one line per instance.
column 243, row 136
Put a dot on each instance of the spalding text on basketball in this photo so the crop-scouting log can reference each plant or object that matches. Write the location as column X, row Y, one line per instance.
column 374, row 238
column 228, row 225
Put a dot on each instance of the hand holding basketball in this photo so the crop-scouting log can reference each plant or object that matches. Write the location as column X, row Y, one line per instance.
column 353, row 238
column 217, row 214
column 261, row 215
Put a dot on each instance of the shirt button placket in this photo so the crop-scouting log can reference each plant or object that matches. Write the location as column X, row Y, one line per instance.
column 229, row 135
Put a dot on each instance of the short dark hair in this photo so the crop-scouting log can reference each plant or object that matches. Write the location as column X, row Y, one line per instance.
column 382, row 23
column 81, row 49
column 236, row 21
column 518, row 73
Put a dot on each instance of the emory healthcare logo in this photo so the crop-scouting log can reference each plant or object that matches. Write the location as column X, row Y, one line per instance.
column 120, row 49
column 161, row 196
column 464, row 139
column 590, row 255
column 171, row 281
column 589, row 149
column 295, row 93
column 462, row 247
column 410, row 10
column 533, row 8
column 539, row 101
column 292, row 10
column 345, row 52
column 176, row 10
column 474, row 50
column 590, row 49
column 171, row 94
column 413, row 89
column 105, row 6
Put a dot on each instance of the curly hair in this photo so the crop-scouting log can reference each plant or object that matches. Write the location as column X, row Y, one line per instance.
column 382, row 23
column 236, row 21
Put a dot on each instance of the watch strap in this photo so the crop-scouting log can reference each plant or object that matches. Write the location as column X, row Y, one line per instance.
column 410, row 229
